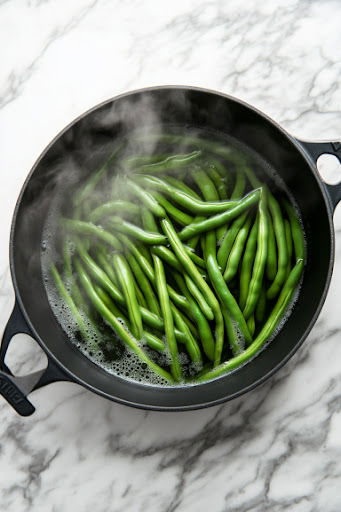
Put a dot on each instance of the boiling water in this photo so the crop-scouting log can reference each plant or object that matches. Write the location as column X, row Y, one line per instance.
column 106, row 349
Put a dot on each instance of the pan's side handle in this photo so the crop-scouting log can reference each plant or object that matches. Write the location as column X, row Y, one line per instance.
column 318, row 148
column 16, row 389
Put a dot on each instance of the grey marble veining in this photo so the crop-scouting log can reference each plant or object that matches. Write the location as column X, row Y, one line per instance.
column 275, row 449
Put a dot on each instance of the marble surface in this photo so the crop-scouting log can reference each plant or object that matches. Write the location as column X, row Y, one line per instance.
column 276, row 449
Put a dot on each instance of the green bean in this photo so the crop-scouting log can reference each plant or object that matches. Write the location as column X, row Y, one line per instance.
column 279, row 229
column 218, row 181
column 127, row 285
column 167, row 317
column 266, row 331
column 192, row 243
column 141, row 301
column 296, row 231
column 221, row 288
column 288, row 239
column 204, row 329
column 191, row 140
column 70, row 280
column 87, row 228
column 197, row 295
column 170, row 163
column 239, row 186
column 146, row 198
column 140, row 258
column 153, row 341
column 171, row 180
column 145, row 251
column 195, row 258
column 117, row 327
column 186, row 318
column 205, row 184
column 251, row 324
column 99, row 274
column 220, row 219
column 237, row 250
column 271, row 262
column 135, row 231
column 110, row 304
column 227, row 243
column 235, row 343
column 191, row 345
column 167, row 256
column 260, row 260
column 83, row 328
column 185, row 200
column 156, row 322
column 101, row 257
column 131, row 162
column 247, row 264
column 111, row 207
column 83, row 193
column 180, row 217
column 261, row 306
column 143, row 282
column 221, row 189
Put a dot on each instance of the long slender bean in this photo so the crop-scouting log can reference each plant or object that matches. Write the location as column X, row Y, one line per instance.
column 237, row 250
column 228, row 241
column 271, row 261
column 191, row 345
column 167, row 317
column 135, row 231
column 261, row 307
column 279, row 229
column 296, row 231
column 247, row 264
column 185, row 200
column 86, row 190
column 87, row 228
column 146, row 199
column 236, row 344
column 221, row 218
column 260, row 260
column 170, row 163
column 288, row 239
column 197, row 295
column 179, row 216
column 205, row 333
column 83, row 328
column 127, row 285
column 117, row 206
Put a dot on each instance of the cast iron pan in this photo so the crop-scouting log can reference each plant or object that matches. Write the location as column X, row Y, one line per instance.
column 293, row 160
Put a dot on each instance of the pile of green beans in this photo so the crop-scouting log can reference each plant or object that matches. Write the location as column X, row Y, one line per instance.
column 189, row 260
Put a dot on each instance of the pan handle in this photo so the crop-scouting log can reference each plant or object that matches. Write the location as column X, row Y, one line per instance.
column 318, row 148
column 16, row 389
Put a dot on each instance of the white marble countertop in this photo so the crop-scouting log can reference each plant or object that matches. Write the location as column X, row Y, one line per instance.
column 279, row 447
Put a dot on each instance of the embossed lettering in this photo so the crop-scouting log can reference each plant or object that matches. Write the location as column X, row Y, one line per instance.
column 9, row 391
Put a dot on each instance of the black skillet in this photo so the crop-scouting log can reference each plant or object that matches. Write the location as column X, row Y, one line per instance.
column 293, row 160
